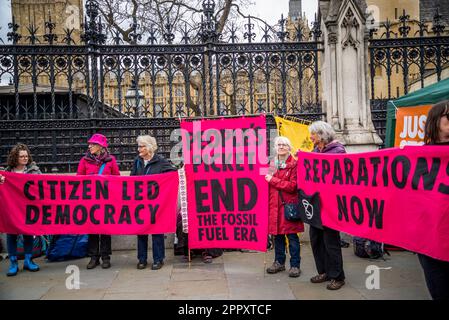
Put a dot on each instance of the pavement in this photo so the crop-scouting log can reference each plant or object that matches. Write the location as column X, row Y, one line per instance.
column 234, row 276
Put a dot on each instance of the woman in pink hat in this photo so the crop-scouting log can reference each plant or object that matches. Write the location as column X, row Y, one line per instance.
column 98, row 161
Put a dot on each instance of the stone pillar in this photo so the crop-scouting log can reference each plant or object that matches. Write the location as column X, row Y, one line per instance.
column 345, row 73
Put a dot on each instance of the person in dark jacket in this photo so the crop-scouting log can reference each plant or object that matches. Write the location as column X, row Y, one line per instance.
column 436, row 271
column 282, row 189
column 326, row 245
column 146, row 163
column 98, row 160
column 20, row 161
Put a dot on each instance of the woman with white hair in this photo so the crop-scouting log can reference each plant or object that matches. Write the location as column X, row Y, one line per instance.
column 282, row 189
column 146, row 163
column 326, row 245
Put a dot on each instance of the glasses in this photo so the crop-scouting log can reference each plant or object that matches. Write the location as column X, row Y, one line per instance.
column 141, row 147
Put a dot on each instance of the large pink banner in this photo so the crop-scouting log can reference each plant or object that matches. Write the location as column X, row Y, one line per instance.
column 227, row 192
column 394, row 196
column 57, row 204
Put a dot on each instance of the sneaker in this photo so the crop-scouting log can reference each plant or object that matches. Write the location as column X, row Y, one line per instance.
column 93, row 263
column 319, row 278
column 157, row 265
column 294, row 272
column 106, row 264
column 141, row 265
column 275, row 268
column 335, row 284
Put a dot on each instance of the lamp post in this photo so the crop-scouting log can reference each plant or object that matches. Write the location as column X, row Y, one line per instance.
column 134, row 98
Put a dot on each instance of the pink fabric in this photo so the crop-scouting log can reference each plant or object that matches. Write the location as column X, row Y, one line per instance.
column 36, row 204
column 377, row 201
column 99, row 139
column 283, row 180
column 227, row 224
column 88, row 168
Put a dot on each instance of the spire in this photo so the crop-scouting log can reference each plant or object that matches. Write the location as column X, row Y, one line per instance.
column 295, row 9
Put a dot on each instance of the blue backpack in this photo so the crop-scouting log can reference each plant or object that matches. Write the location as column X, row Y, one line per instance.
column 365, row 248
column 67, row 247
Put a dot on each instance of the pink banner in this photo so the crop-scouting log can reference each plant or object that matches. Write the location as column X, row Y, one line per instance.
column 227, row 192
column 57, row 204
column 394, row 196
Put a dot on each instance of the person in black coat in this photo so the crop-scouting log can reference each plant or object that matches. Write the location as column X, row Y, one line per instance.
column 436, row 271
column 148, row 162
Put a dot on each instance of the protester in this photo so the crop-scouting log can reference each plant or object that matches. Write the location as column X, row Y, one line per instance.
column 147, row 163
column 99, row 161
column 436, row 271
column 326, row 245
column 282, row 188
column 20, row 161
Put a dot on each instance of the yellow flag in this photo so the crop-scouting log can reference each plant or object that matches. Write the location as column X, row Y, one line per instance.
column 298, row 134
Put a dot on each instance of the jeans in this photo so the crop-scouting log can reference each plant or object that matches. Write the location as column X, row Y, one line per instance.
column 11, row 243
column 158, row 248
column 293, row 247
column 436, row 273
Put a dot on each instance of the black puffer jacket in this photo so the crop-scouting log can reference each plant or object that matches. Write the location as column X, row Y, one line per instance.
column 157, row 164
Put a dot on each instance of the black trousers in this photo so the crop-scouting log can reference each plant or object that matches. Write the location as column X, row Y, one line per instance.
column 436, row 273
column 99, row 245
column 326, row 250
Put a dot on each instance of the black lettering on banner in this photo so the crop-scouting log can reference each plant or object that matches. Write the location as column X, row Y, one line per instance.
column 253, row 194
column 226, row 196
column 63, row 191
column 444, row 188
column 349, row 167
column 46, row 214
column 139, row 208
column 92, row 214
column 325, row 170
column 337, row 172
column 153, row 211
column 405, row 171
column 86, row 190
column 32, row 214
column 375, row 212
column 62, row 216
column 153, row 190
column 109, row 211
column 385, row 172
column 26, row 190
column 363, row 172
column 357, row 219
column 125, row 191
column 40, row 183
column 138, row 190
column 52, row 185
column 201, row 196
column 315, row 170
column 125, row 215
column 375, row 162
column 307, row 167
column 75, row 185
column 342, row 208
column 102, row 190
column 83, row 210
column 422, row 172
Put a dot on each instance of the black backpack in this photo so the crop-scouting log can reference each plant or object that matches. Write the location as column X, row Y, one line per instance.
column 365, row 248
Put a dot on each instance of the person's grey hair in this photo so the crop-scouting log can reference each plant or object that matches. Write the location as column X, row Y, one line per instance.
column 284, row 140
column 149, row 141
column 323, row 130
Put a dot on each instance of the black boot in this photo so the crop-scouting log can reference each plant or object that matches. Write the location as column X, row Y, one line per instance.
column 106, row 262
column 94, row 261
